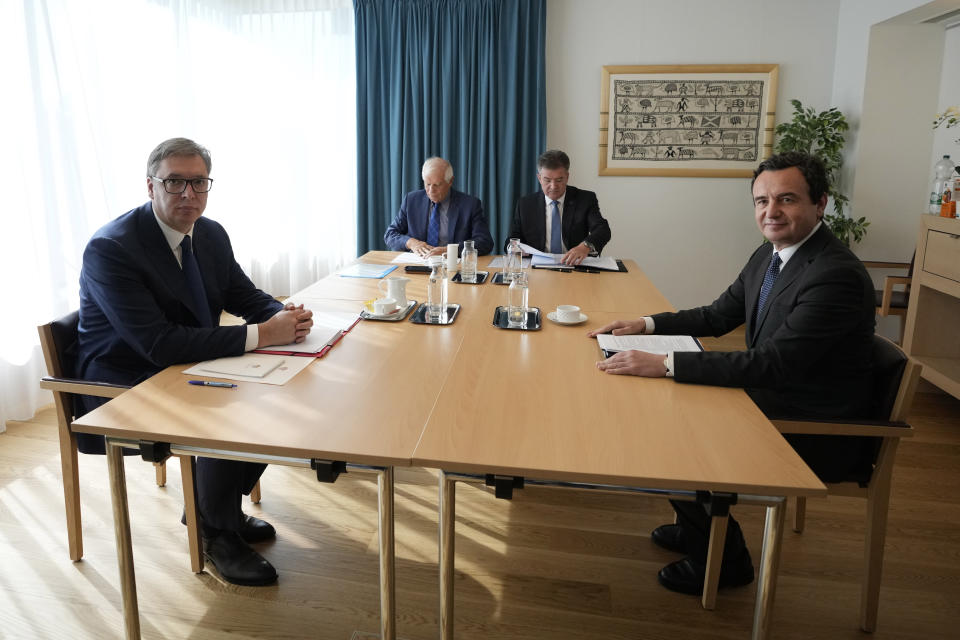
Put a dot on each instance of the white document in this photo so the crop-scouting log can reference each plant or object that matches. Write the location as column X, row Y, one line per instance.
column 497, row 263
column 408, row 257
column 282, row 371
column 249, row 365
column 326, row 326
column 650, row 343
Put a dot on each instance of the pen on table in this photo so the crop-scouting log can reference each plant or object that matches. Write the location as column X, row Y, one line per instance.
column 563, row 269
column 334, row 340
column 210, row 383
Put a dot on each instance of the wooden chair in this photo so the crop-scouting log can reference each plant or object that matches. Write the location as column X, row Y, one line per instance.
column 891, row 302
column 896, row 376
column 59, row 342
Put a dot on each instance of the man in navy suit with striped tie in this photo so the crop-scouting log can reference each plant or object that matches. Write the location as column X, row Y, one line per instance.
column 437, row 215
column 153, row 284
column 808, row 306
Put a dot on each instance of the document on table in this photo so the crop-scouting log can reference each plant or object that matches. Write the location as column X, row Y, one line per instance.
column 541, row 258
column 611, row 344
column 408, row 257
column 497, row 263
column 281, row 369
column 365, row 270
column 328, row 328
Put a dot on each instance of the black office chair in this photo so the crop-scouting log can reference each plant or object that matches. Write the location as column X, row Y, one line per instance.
column 888, row 300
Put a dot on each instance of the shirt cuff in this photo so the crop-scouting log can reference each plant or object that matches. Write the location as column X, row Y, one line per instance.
column 650, row 327
column 253, row 337
column 668, row 363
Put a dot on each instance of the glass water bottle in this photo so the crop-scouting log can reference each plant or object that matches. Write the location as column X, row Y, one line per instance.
column 513, row 264
column 437, row 290
column 468, row 262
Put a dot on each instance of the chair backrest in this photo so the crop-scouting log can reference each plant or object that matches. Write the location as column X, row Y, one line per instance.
column 889, row 362
column 58, row 339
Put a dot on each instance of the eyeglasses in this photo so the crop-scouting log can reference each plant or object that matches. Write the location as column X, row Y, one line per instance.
column 179, row 185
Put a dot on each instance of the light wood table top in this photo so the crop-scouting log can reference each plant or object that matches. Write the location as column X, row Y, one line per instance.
column 532, row 403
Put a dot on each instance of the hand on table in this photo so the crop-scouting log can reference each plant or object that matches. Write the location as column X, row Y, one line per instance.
column 423, row 249
column 621, row 328
column 635, row 363
column 290, row 324
column 575, row 256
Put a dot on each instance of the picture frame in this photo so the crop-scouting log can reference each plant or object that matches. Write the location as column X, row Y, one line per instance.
column 686, row 120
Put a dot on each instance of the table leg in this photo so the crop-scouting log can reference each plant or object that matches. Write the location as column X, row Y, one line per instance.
column 388, row 606
column 711, row 580
column 121, row 527
column 448, row 498
column 188, row 472
column 769, row 563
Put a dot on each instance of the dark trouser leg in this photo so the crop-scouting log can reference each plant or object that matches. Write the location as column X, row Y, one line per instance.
column 694, row 522
column 220, row 486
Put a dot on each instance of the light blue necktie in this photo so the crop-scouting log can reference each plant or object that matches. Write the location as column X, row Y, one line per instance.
column 769, row 279
column 433, row 229
column 191, row 273
column 556, row 245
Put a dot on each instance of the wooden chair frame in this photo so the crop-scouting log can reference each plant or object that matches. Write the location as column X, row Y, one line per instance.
column 64, row 388
column 889, row 282
column 876, row 491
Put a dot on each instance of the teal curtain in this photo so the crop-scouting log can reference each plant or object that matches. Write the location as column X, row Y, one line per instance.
column 461, row 79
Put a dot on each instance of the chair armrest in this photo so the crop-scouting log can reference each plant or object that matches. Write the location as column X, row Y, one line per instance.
column 850, row 428
column 874, row 264
column 83, row 387
column 888, row 284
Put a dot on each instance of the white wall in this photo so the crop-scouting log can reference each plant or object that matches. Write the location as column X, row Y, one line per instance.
column 945, row 140
column 690, row 235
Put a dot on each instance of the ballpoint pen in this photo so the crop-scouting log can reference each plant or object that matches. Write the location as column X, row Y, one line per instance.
column 211, row 383
column 334, row 340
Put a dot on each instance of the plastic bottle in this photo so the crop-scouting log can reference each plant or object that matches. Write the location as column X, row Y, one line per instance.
column 468, row 262
column 942, row 184
column 437, row 291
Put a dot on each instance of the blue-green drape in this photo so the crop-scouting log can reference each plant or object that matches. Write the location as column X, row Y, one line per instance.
column 462, row 79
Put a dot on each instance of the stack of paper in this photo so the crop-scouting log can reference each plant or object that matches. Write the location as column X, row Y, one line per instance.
column 610, row 343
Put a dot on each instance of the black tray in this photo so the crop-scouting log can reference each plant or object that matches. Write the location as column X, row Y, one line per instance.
column 501, row 321
column 498, row 278
column 481, row 278
column 420, row 315
column 393, row 317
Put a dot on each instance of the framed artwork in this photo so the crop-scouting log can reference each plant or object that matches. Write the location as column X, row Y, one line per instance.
column 686, row 120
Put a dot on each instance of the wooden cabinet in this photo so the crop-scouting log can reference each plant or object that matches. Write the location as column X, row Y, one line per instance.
column 932, row 333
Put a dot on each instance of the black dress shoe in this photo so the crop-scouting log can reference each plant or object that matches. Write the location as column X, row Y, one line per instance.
column 256, row 530
column 670, row 537
column 687, row 575
column 236, row 562
column 252, row 529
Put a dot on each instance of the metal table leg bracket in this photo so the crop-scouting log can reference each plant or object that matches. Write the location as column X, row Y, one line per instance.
column 328, row 470
column 154, row 452
column 503, row 486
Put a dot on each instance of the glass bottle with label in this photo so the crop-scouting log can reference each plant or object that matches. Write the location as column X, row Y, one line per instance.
column 468, row 262
column 437, row 290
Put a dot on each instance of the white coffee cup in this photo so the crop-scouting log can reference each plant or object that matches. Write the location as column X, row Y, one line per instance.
column 396, row 288
column 383, row 306
column 568, row 313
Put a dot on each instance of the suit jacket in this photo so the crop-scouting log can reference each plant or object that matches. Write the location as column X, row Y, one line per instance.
column 465, row 219
column 809, row 352
column 136, row 314
column 581, row 220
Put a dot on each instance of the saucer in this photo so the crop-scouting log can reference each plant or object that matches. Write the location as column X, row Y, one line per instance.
column 552, row 316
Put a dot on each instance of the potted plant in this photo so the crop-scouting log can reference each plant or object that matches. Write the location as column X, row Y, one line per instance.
column 821, row 134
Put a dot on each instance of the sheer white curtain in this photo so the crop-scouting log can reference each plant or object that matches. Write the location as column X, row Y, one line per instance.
column 91, row 87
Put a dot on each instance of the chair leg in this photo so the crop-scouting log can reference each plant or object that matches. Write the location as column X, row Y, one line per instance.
column 800, row 514
column 255, row 493
column 878, row 504
column 711, row 580
column 71, row 493
column 188, row 467
column 161, row 470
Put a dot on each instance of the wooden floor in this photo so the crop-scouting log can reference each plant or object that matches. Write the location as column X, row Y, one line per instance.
column 550, row 564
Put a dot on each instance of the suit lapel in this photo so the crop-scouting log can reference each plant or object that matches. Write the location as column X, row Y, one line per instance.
column 797, row 264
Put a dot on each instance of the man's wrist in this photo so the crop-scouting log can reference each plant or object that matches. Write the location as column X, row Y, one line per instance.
column 591, row 249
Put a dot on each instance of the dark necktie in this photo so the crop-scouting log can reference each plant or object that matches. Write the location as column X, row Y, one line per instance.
column 556, row 244
column 433, row 229
column 191, row 273
column 769, row 279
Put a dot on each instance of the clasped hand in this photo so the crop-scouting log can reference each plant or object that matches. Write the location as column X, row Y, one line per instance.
column 423, row 249
column 290, row 324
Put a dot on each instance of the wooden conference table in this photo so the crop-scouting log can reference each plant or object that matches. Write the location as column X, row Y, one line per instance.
column 475, row 400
